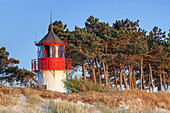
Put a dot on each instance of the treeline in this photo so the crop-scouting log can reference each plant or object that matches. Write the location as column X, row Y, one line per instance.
column 121, row 56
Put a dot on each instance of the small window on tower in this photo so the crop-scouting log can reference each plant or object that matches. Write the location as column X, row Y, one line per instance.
column 45, row 87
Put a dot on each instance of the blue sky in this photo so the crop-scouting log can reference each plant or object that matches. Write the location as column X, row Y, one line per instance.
column 20, row 19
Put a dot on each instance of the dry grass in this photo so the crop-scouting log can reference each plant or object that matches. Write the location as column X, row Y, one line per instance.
column 66, row 107
column 28, row 91
column 6, row 93
column 34, row 99
column 4, row 99
column 134, row 99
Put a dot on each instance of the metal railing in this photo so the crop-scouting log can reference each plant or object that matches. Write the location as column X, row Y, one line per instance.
column 51, row 64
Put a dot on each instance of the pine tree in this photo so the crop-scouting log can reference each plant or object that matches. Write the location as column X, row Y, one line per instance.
column 10, row 72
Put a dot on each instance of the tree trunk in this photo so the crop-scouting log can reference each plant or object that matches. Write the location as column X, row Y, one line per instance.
column 151, row 77
column 160, row 76
column 141, row 69
column 134, row 80
column 106, row 68
column 34, row 79
column 149, row 83
column 107, row 73
column 115, row 76
column 106, row 77
column 100, row 81
column 143, row 82
column 124, row 77
column 164, row 81
column 130, row 77
column 132, row 83
column 168, row 82
column 121, row 77
column 93, row 71
column 84, row 71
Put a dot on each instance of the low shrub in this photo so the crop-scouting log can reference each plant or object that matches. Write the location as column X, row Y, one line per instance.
column 77, row 85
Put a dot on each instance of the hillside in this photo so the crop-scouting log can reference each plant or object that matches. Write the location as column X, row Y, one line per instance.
column 31, row 100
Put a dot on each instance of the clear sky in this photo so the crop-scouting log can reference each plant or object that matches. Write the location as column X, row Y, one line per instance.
column 20, row 19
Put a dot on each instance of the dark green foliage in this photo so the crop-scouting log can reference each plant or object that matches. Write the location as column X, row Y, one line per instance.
column 10, row 73
column 121, row 50
column 76, row 85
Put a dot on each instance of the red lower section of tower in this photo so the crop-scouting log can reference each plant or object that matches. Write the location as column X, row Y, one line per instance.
column 51, row 64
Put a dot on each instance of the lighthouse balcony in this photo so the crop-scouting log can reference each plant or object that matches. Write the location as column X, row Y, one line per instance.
column 51, row 64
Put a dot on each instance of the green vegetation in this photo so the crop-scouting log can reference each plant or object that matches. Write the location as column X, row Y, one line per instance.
column 122, row 55
column 10, row 73
column 76, row 85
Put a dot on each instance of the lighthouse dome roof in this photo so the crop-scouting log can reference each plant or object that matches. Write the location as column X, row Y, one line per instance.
column 50, row 38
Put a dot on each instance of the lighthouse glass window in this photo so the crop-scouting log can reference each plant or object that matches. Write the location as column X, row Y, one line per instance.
column 53, row 51
column 61, row 51
column 41, row 52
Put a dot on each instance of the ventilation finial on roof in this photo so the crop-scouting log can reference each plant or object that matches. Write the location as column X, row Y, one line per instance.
column 50, row 17
column 51, row 25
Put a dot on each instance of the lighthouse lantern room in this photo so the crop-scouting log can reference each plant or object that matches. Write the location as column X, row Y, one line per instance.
column 51, row 65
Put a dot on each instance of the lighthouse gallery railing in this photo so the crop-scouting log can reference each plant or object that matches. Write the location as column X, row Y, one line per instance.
column 51, row 64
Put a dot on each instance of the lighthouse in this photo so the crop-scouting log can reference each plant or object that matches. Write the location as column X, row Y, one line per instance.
column 51, row 65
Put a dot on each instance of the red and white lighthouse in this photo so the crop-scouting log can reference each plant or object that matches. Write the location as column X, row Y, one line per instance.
column 51, row 65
